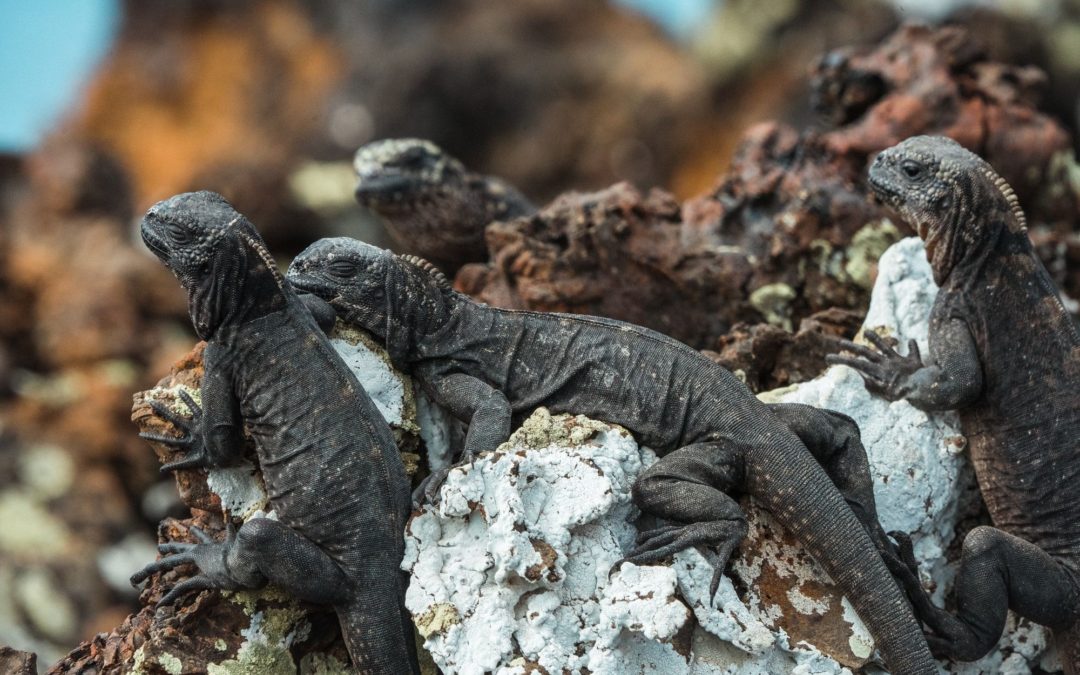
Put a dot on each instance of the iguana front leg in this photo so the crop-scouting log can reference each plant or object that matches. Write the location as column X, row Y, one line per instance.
column 262, row 551
column 212, row 436
column 475, row 402
column 952, row 378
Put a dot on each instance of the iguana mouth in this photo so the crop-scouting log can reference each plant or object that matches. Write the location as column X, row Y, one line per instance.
column 383, row 188
column 883, row 190
column 154, row 243
column 304, row 282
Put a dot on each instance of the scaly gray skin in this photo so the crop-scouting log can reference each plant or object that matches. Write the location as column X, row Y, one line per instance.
column 432, row 205
column 332, row 471
column 491, row 367
column 1005, row 354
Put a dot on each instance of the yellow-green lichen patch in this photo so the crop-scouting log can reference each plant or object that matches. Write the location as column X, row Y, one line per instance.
column 776, row 395
column 256, row 658
column 437, row 619
column 221, row 645
column 773, row 301
column 273, row 630
column 866, row 247
column 137, row 661
column 170, row 664
column 542, row 430
column 170, row 396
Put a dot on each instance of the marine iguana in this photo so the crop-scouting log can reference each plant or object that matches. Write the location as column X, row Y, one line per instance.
column 1005, row 355
column 333, row 473
column 432, row 205
column 491, row 367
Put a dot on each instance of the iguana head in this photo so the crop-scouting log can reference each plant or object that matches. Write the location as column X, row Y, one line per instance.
column 951, row 196
column 350, row 275
column 394, row 174
column 218, row 257
column 429, row 202
column 395, row 298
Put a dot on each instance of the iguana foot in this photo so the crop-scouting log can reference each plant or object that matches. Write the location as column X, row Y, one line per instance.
column 208, row 555
column 657, row 544
column 884, row 371
column 189, row 440
column 430, row 488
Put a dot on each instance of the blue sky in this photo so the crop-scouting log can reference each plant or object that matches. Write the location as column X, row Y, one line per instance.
column 47, row 49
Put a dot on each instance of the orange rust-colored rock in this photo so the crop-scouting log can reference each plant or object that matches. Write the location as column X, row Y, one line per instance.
column 782, row 583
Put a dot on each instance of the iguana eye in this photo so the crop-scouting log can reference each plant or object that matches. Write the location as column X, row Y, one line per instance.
column 912, row 169
column 343, row 268
column 178, row 234
column 413, row 158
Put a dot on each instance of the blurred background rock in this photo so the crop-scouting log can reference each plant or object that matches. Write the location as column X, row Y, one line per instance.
column 107, row 107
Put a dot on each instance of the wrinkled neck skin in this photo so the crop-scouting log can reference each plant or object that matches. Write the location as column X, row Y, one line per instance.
column 964, row 239
column 239, row 288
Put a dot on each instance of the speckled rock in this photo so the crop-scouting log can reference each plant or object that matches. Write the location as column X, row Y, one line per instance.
column 511, row 572
column 14, row 662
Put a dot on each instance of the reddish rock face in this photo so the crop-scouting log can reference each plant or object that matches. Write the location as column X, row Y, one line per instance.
column 612, row 253
column 790, row 229
column 923, row 80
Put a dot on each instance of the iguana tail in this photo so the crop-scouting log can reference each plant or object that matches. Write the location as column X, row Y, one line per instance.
column 800, row 495
column 377, row 628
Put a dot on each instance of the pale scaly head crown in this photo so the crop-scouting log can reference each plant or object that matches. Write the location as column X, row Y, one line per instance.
column 398, row 171
column 350, row 275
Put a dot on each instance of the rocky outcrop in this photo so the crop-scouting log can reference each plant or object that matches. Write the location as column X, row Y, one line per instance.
column 512, row 572
column 789, row 229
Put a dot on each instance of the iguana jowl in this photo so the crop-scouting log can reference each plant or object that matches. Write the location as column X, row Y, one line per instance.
column 490, row 367
column 1005, row 354
column 332, row 470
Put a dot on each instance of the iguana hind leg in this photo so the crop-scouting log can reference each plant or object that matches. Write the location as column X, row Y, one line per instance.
column 998, row 572
column 261, row 551
column 688, row 487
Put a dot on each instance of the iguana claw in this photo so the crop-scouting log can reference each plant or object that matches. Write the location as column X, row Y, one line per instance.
column 189, row 440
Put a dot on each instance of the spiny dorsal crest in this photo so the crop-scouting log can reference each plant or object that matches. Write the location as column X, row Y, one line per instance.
column 263, row 254
column 1006, row 191
column 427, row 267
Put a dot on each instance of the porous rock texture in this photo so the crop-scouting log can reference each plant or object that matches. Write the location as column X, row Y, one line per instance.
column 247, row 632
column 789, row 229
column 511, row 572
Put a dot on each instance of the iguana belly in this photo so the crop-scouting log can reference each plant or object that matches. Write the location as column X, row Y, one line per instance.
column 1030, row 480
